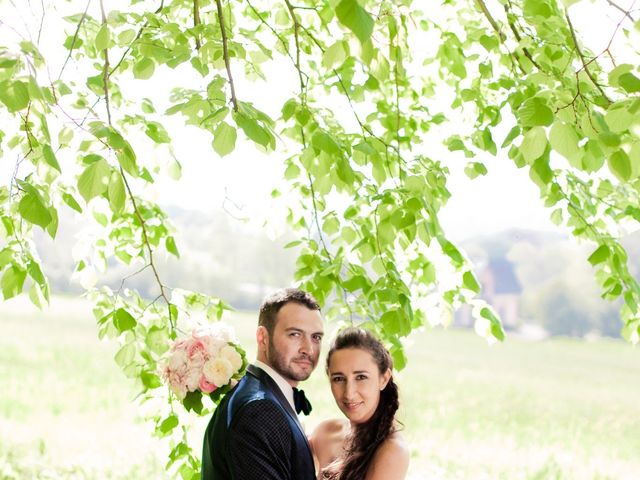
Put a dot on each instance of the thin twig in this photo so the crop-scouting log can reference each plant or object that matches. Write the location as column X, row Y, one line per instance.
column 584, row 62
column 105, row 70
column 196, row 21
column 147, row 244
column 296, row 36
column 225, row 53
column 627, row 13
column 136, row 38
column 491, row 20
column 516, row 34
column 41, row 21
column 75, row 38
column 277, row 35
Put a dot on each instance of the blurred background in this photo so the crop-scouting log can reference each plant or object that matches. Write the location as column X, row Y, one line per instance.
column 557, row 399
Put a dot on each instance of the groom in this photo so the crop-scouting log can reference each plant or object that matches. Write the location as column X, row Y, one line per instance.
column 254, row 433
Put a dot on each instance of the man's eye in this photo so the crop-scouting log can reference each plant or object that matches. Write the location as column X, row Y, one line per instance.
column 317, row 338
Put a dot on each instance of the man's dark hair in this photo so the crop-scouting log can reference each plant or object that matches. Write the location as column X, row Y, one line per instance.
column 274, row 302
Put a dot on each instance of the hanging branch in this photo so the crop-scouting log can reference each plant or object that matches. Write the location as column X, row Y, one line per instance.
column 225, row 53
column 196, row 21
column 75, row 38
column 584, row 61
column 143, row 225
column 296, row 36
column 627, row 13
column 516, row 34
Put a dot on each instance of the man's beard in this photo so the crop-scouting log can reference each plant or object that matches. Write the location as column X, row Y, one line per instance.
column 278, row 363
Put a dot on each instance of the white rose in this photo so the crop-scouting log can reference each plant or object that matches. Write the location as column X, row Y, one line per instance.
column 212, row 346
column 218, row 371
column 178, row 361
column 233, row 356
column 192, row 379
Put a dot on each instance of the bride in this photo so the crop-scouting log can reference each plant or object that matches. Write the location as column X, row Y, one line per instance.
column 367, row 445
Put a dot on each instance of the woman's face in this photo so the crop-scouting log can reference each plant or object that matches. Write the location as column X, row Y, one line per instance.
column 356, row 383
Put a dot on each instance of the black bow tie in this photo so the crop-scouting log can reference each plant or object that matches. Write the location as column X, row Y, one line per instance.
column 301, row 402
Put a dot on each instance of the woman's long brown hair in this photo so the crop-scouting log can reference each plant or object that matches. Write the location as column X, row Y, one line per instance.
column 366, row 437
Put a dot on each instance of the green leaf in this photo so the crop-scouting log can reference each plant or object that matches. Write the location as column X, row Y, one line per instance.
column 224, row 139
column 469, row 281
column 168, row 424
column 620, row 165
column 15, row 95
column 193, row 401
column 33, row 210
column 125, row 355
column 144, row 69
column 94, row 180
column 599, row 255
column 451, row 251
column 157, row 340
column 475, row 169
column 618, row 117
column 496, row 327
column 334, row 55
column 102, row 38
column 564, row 140
column 36, row 273
column 355, row 18
column 170, row 243
column 535, row 112
column 127, row 159
column 156, row 132
column 253, row 129
column 629, row 82
column 69, row 200
column 123, row 320
column 533, row 144
column 52, row 227
column 116, row 193
column 12, row 282
column 50, row 157
column 150, row 380
column 513, row 133
column 540, row 172
column 325, row 142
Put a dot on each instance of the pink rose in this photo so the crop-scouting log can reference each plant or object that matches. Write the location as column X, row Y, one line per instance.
column 206, row 387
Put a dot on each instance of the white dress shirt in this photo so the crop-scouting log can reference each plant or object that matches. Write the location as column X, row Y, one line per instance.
column 286, row 388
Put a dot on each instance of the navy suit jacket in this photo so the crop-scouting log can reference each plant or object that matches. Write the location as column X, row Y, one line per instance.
column 254, row 434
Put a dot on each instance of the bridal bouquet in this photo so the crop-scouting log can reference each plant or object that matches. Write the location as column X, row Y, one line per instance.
column 208, row 362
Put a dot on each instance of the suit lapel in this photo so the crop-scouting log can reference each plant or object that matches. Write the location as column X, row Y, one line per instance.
column 273, row 387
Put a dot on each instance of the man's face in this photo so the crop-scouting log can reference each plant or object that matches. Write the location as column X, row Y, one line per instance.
column 294, row 348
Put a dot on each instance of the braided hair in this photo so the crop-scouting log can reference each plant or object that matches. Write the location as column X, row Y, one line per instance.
column 365, row 438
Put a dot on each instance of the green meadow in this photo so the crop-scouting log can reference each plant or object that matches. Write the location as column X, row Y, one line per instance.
column 556, row 409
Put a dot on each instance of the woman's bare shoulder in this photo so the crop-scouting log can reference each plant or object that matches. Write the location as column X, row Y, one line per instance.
column 330, row 427
column 391, row 460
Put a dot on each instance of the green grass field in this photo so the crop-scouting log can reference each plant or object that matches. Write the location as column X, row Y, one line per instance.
column 559, row 409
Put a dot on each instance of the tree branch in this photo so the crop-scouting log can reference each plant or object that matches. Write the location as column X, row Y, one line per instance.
column 627, row 13
column 277, row 35
column 196, row 21
column 584, row 62
column 516, row 34
column 492, row 21
column 137, row 37
column 225, row 53
column 296, row 36
column 75, row 38
column 105, row 70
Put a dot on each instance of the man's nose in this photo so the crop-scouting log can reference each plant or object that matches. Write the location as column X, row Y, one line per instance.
column 306, row 346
